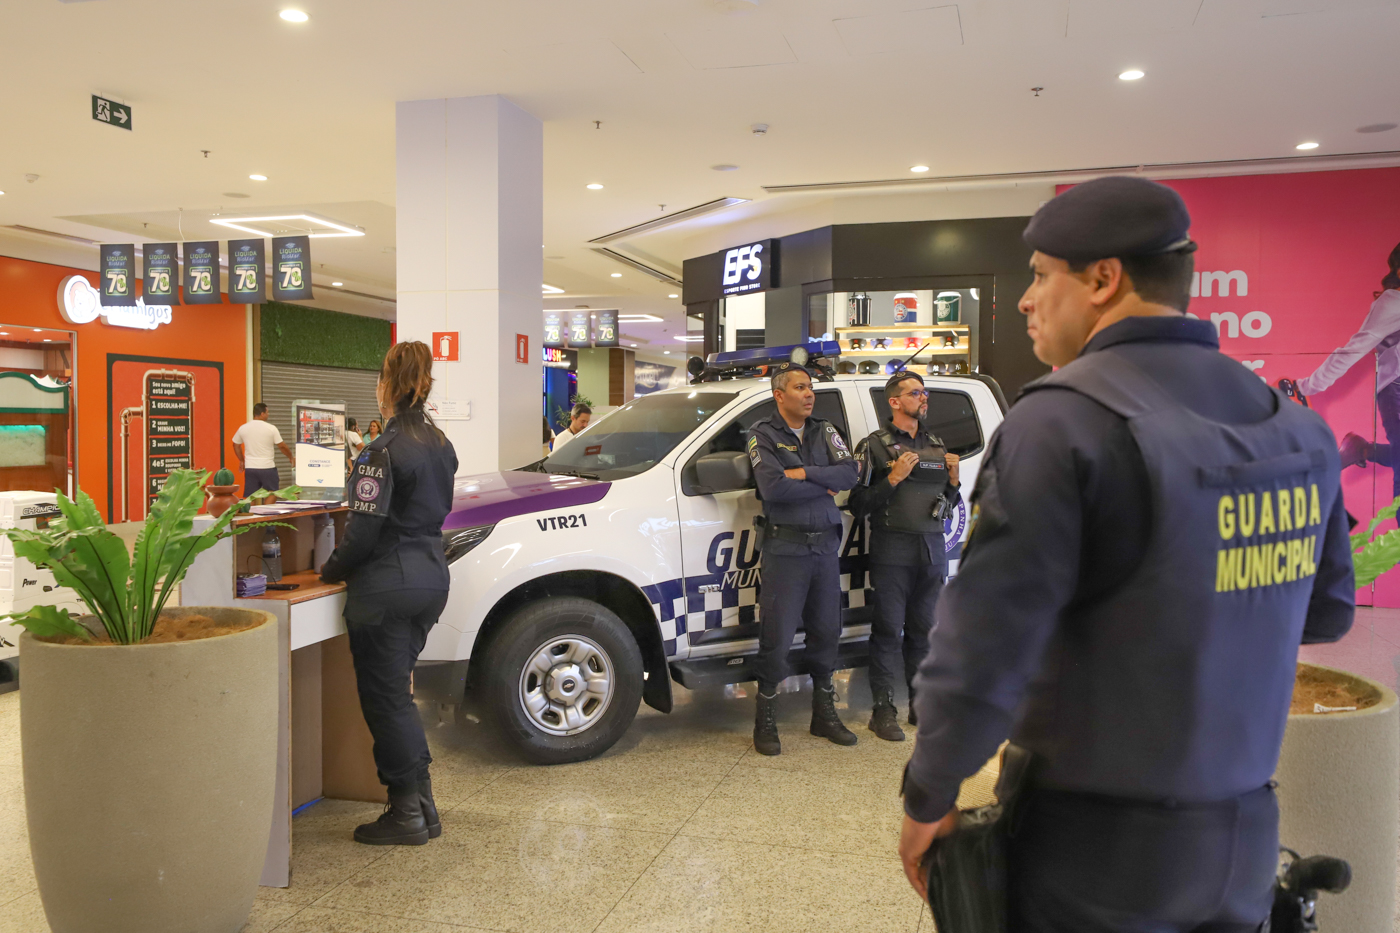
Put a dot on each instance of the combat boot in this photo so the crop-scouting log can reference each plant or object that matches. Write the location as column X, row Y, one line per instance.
column 401, row 823
column 430, row 814
column 884, row 718
column 825, row 723
column 765, row 726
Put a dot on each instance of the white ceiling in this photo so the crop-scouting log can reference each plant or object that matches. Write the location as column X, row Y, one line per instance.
column 851, row 90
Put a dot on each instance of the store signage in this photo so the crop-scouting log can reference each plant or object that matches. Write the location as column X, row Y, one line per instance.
column 556, row 358
column 80, row 303
column 554, row 329
column 580, row 325
column 201, row 280
column 522, row 349
column 111, row 112
column 116, row 267
column 749, row 268
column 161, row 276
column 247, row 267
column 445, row 346
column 169, row 428
column 291, row 268
column 606, row 334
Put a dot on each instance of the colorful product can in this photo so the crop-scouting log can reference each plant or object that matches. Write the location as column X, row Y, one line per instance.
column 906, row 308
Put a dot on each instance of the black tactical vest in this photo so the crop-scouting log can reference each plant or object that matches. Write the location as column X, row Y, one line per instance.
column 916, row 504
column 1177, row 683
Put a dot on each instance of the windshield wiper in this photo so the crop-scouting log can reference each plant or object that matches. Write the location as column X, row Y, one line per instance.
column 578, row 473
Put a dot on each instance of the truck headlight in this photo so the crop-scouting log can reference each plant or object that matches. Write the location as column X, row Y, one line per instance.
column 459, row 541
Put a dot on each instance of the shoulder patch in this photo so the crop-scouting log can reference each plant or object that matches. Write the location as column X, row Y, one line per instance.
column 371, row 483
column 754, row 457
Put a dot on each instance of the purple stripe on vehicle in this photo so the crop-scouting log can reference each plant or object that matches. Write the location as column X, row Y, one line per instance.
column 488, row 498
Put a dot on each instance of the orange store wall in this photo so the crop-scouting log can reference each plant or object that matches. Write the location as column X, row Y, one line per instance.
column 214, row 333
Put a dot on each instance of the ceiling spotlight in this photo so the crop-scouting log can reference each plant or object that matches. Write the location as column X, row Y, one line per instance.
column 337, row 284
column 666, row 352
column 595, row 187
column 1132, row 74
column 617, row 275
column 759, row 129
column 1, row 192
column 38, row 330
column 632, row 345
column 258, row 177
column 918, row 168
column 1307, row 146
column 294, row 16
column 673, row 296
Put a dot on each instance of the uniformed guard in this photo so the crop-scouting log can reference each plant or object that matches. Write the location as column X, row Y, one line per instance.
column 908, row 486
column 392, row 561
column 799, row 464
column 1155, row 531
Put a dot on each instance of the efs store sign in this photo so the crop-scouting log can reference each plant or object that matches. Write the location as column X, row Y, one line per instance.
column 750, row 268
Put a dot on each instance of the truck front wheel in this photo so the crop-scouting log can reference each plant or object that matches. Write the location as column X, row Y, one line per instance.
column 563, row 677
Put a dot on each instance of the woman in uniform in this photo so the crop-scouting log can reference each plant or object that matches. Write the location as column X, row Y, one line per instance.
column 392, row 562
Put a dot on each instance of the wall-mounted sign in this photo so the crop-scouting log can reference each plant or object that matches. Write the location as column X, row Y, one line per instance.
column 445, row 346
column 247, row 265
column 161, row 276
column 320, row 447
column 201, row 281
column 579, row 328
column 556, row 358
column 111, row 112
column 554, row 335
column 606, row 333
column 291, row 268
column 116, row 265
column 80, row 303
column 522, row 349
column 169, row 403
column 750, row 268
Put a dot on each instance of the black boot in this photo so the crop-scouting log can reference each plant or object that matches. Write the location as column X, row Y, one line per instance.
column 913, row 717
column 825, row 723
column 884, row 718
column 430, row 814
column 401, row 823
column 765, row 726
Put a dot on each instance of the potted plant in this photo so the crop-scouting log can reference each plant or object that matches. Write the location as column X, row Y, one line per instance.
column 223, row 492
column 149, row 734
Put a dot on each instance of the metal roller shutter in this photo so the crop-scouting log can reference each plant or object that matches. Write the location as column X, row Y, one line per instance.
column 284, row 383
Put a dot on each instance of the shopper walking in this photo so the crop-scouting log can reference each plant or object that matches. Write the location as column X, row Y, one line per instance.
column 578, row 420
column 1154, row 533
column 908, row 483
column 255, row 444
column 392, row 561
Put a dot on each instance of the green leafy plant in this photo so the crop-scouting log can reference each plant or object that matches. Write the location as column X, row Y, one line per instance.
column 1373, row 556
column 126, row 592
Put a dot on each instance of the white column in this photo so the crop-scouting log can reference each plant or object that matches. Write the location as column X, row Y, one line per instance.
column 470, row 211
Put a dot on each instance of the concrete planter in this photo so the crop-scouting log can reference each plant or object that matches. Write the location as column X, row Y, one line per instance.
column 1339, row 794
column 148, row 778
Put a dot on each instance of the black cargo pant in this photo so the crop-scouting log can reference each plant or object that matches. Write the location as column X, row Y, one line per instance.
column 387, row 633
column 797, row 591
column 1087, row 864
column 905, row 598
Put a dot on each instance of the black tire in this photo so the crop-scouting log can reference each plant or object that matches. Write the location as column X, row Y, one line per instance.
column 521, row 637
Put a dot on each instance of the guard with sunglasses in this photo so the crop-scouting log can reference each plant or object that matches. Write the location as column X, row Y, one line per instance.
column 908, row 485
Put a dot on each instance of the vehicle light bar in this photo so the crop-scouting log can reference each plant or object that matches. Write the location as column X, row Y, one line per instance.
column 762, row 356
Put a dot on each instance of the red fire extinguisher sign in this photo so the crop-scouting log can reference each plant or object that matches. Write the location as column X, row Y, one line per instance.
column 445, row 346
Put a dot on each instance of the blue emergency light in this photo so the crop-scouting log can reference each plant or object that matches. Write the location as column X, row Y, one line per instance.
column 798, row 353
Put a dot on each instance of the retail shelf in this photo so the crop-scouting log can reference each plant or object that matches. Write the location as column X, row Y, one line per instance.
column 900, row 328
column 894, row 351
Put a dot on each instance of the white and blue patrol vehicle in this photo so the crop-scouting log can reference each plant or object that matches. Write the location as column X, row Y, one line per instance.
column 629, row 558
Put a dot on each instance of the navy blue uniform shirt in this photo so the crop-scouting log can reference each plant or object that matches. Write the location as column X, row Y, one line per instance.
column 402, row 549
column 900, row 548
column 800, row 503
column 1074, row 521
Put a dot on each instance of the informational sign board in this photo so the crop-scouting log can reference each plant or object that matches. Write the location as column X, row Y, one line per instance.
column 161, row 276
column 554, row 335
column 580, row 326
column 201, row 277
column 247, row 269
column 111, row 112
column 169, row 419
column 291, row 268
column 320, row 428
column 117, row 266
column 606, row 333
column 445, row 343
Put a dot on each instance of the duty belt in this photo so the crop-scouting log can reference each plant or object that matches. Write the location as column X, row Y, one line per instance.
column 798, row 535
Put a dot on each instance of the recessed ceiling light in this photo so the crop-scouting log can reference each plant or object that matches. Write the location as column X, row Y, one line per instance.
column 918, row 168
column 1, row 192
column 294, row 16
column 258, row 177
column 551, row 290
column 673, row 296
column 48, row 340
column 638, row 318
column 617, row 275
column 1307, row 146
column 633, row 345
column 595, row 187
column 337, row 284
column 691, row 338
column 316, row 225
column 666, row 352
column 1132, row 74
column 38, row 330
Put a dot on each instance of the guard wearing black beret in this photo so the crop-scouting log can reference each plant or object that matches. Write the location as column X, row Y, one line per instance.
column 1154, row 533
column 799, row 465
column 908, row 486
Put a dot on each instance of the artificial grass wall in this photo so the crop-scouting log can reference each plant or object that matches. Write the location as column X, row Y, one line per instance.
column 316, row 337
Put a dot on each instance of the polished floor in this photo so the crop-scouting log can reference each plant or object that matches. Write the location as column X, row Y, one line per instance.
column 680, row 827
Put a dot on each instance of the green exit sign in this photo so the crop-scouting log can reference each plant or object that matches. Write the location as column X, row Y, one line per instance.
column 111, row 112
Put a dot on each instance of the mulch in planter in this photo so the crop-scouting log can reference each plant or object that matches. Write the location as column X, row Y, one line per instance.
column 1334, row 693
column 170, row 628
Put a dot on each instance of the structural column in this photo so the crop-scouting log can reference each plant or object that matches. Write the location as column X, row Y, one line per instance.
column 470, row 207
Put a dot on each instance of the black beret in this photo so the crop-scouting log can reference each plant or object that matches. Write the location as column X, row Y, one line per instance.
column 1108, row 217
column 902, row 375
column 787, row 367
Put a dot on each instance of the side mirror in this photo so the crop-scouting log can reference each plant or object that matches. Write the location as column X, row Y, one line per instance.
column 724, row 471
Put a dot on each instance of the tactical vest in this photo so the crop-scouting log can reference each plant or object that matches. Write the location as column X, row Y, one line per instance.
column 917, row 502
column 1177, row 683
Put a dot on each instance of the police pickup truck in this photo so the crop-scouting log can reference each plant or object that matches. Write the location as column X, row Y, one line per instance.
column 589, row 581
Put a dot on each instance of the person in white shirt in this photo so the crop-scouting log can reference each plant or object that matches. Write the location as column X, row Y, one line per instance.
column 255, row 444
column 578, row 420
column 354, row 443
column 1380, row 332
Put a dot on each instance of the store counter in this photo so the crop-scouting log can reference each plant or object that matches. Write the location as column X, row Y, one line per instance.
column 324, row 747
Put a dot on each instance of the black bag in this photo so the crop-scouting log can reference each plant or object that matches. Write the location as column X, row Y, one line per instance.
column 967, row 869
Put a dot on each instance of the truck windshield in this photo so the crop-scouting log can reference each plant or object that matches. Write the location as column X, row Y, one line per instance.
column 634, row 438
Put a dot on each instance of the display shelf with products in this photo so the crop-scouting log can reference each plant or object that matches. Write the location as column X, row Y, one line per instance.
column 902, row 328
